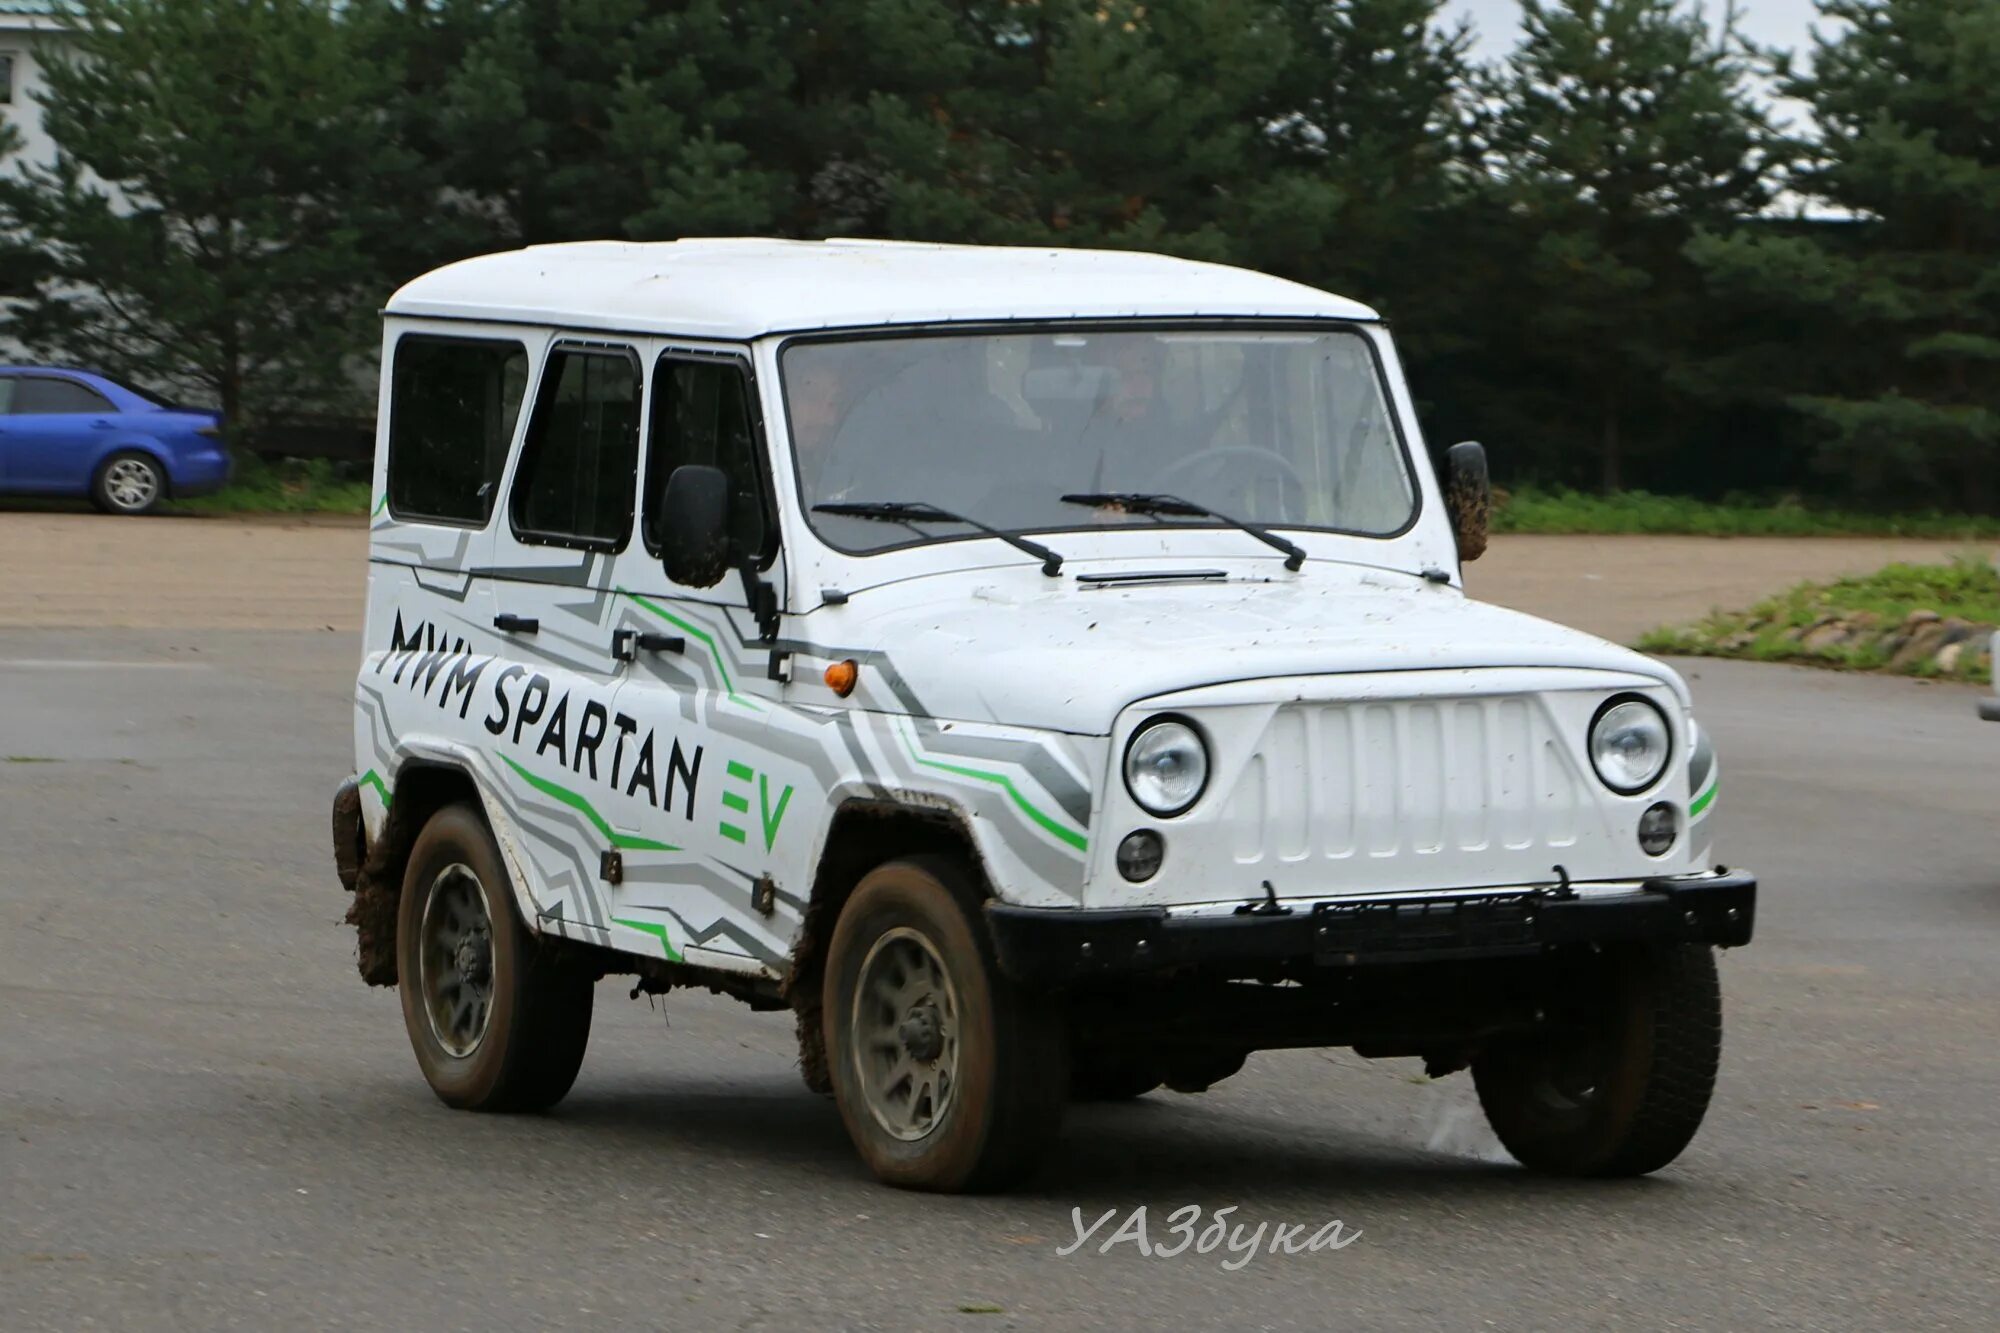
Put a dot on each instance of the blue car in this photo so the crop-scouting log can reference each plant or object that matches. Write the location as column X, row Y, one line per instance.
column 72, row 433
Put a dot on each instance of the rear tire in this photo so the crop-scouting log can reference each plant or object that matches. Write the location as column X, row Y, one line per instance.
column 128, row 483
column 1622, row 1086
column 948, row 1076
column 497, row 1020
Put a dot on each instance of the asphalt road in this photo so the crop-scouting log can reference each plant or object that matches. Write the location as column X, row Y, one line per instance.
column 206, row 1120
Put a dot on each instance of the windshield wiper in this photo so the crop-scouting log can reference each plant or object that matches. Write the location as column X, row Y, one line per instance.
column 904, row 511
column 1141, row 503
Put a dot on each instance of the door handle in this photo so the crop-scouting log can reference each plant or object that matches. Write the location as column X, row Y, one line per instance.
column 102, row 425
column 514, row 624
column 627, row 644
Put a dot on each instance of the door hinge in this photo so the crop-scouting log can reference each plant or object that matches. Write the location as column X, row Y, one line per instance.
column 611, row 867
column 764, row 895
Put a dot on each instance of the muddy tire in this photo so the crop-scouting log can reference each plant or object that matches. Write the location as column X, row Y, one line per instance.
column 1114, row 1076
column 1625, row 1087
column 948, row 1077
column 128, row 482
column 498, row 1022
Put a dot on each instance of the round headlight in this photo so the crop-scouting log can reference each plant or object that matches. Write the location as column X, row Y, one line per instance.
column 1166, row 766
column 1629, row 745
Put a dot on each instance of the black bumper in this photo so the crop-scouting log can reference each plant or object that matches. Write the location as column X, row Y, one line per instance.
column 1990, row 708
column 1055, row 946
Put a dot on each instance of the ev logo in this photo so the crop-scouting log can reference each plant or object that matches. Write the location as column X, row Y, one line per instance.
column 739, row 801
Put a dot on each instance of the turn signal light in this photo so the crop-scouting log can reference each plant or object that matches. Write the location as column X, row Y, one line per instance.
column 841, row 677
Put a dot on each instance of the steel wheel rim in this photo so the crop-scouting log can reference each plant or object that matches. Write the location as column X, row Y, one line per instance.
column 455, row 960
column 131, row 484
column 904, row 1030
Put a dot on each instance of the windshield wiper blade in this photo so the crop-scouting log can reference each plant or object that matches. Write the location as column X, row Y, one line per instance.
column 904, row 511
column 1138, row 502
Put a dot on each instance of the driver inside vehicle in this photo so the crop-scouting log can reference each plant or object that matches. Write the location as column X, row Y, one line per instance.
column 1131, row 433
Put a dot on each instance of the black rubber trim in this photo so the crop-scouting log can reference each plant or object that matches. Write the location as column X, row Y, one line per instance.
column 1990, row 709
column 1046, row 946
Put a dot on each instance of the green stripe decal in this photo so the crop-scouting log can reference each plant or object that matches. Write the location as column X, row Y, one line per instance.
column 734, row 834
column 380, row 505
column 373, row 779
column 695, row 632
column 736, row 801
column 743, row 771
column 577, row 803
column 653, row 928
column 1703, row 801
column 1006, row 784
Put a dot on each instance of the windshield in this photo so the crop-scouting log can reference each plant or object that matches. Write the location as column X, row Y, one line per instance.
column 1281, row 428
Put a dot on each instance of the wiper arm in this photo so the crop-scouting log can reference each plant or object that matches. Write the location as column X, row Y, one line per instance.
column 904, row 511
column 1141, row 503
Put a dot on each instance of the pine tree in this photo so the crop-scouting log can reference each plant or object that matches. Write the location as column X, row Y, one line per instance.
column 1615, row 131
column 1896, row 296
column 1359, row 139
column 224, row 168
column 604, row 119
column 1080, row 122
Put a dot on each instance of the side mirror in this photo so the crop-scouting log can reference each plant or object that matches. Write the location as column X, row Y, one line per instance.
column 694, row 526
column 1468, row 497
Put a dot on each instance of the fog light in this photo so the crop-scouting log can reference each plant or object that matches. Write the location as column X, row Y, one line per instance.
column 1140, row 855
column 1658, row 828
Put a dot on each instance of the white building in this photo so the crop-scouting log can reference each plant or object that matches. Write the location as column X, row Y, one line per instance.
column 27, row 29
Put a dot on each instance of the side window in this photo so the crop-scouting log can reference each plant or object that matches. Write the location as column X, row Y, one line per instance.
column 36, row 396
column 6, row 395
column 452, row 407
column 578, row 468
column 701, row 414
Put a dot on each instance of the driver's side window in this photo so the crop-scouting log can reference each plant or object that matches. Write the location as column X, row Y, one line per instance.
column 702, row 414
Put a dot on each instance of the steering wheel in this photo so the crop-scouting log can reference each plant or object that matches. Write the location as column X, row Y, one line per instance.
column 1212, row 461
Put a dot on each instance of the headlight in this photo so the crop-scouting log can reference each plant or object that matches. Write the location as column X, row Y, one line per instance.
column 1629, row 744
column 1166, row 766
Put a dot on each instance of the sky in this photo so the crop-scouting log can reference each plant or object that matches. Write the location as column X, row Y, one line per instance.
column 1780, row 23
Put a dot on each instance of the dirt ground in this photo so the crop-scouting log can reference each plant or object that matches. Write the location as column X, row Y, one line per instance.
column 81, row 570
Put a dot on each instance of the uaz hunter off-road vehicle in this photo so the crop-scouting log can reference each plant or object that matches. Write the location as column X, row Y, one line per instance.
column 1046, row 673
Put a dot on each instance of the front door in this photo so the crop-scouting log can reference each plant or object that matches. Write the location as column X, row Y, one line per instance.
column 698, row 691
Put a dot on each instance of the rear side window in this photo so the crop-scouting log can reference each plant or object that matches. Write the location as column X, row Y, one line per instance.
column 579, row 466
column 701, row 414
column 452, row 407
column 36, row 396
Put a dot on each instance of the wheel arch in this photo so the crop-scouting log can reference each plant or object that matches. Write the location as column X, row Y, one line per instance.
column 421, row 787
column 135, row 444
column 863, row 832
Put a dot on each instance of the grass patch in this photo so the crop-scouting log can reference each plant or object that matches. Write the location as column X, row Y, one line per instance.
column 1531, row 509
column 286, row 486
column 1903, row 618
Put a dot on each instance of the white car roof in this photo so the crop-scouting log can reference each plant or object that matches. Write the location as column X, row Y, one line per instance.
column 745, row 288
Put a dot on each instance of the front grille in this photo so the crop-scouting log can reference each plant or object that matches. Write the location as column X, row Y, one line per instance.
column 1382, row 780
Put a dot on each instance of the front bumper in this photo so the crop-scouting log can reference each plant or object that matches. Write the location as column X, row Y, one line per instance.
column 1041, row 946
column 1990, row 708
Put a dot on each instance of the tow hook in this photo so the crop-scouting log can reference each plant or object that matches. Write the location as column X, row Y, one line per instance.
column 1270, row 906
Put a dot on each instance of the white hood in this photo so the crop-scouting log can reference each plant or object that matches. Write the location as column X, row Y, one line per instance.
column 1012, row 647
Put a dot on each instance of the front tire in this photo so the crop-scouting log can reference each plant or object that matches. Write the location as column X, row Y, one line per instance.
column 948, row 1076
column 497, row 1020
column 129, row 483
column 1622, row 1084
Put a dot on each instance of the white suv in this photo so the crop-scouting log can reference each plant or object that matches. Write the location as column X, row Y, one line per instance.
column 1046, row 673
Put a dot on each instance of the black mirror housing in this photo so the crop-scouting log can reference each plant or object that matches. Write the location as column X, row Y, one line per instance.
column 1468, row 497
column 694, row 526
